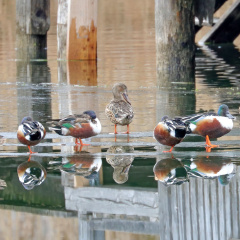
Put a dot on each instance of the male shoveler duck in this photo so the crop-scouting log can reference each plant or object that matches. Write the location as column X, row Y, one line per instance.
column 211, row 125
column 210, row 168
column 170, row 171
column 79, row 126
column 31, row 174
column 170, row 131
column 86, row 166
column 30, row 132
column 119, row 110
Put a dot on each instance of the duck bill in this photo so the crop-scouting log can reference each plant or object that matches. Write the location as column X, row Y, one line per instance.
column 126, row 169
column 125, row 96
column 230, row 116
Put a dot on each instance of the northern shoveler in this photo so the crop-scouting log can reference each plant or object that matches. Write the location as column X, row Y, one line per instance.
column 31, row 174
column 87, row 166
column 210, row 167
column 30, row 132
column 170, row 131
column 119, row 110
column 79, row 126
column 211, row 125
column 170, row 171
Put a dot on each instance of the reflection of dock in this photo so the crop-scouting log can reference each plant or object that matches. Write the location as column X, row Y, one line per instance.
column 201, row 209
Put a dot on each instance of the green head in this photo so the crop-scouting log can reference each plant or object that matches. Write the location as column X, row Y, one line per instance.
column 223, row 111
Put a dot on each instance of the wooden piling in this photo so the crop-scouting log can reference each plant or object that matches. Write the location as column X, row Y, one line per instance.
column 82, row 30
column 62, row 26
column 32, row 24
column 174, row 26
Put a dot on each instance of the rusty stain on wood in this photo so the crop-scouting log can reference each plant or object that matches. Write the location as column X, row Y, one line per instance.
column 85, row 38
column 82, row 73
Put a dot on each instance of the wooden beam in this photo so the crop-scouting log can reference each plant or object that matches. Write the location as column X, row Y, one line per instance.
column 227, row 28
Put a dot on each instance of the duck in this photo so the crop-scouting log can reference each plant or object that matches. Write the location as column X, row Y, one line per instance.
column 31, row 174
column 79, row 126
column 170, row 171
column 210, row 124
column 86, row 165
column 121, row 162
column 210, row 167
column 170, row 132
column 119, row 110
column 30, row 132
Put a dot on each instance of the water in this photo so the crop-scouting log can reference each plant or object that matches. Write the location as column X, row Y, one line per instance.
column 119, row 197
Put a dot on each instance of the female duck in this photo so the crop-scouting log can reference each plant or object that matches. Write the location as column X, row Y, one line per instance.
column 119, row 110
column 170, row 131
column 78, row 126
column 30, row 132
column 211, row 125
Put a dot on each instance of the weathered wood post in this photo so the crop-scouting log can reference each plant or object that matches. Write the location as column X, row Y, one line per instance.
column 174, row 24
column 77, row 40
column 33, row 22
column 82, row 30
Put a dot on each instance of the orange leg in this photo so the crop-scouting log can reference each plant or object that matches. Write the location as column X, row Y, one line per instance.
column 30, row 151
column 29, row 159
column 83, row 144
column 127, row 129
column 208, row 143
column 78, row 148
column 127, row 132
column 80, row 142
column 115, row 129
column 169, row 150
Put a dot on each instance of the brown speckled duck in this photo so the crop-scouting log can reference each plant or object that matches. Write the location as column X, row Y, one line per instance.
column 119, row 110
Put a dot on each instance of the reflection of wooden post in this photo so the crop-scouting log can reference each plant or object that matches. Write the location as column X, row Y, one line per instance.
column 179, row 98
column 33, row 22
column 82, row 73
column 174, row 23
column 82, row 30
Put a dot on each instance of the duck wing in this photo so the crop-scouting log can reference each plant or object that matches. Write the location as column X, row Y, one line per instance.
column 120, row 109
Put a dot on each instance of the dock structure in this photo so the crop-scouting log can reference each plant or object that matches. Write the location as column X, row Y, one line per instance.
column 226, row 29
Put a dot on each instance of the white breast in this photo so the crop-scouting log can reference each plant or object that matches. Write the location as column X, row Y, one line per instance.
column 96, row 127
column 226, row 122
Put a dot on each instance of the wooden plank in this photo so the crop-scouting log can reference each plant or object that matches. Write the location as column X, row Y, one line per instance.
column 227, row 28
column 82, row 30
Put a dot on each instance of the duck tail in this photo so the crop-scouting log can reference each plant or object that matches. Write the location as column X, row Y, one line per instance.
column 180, row 132
column 56, row 129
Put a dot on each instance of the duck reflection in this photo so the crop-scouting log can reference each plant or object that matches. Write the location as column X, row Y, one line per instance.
column 170, row 171
column 82, row 164
column 211, row 167
column 120, row 162
column 31, row 174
